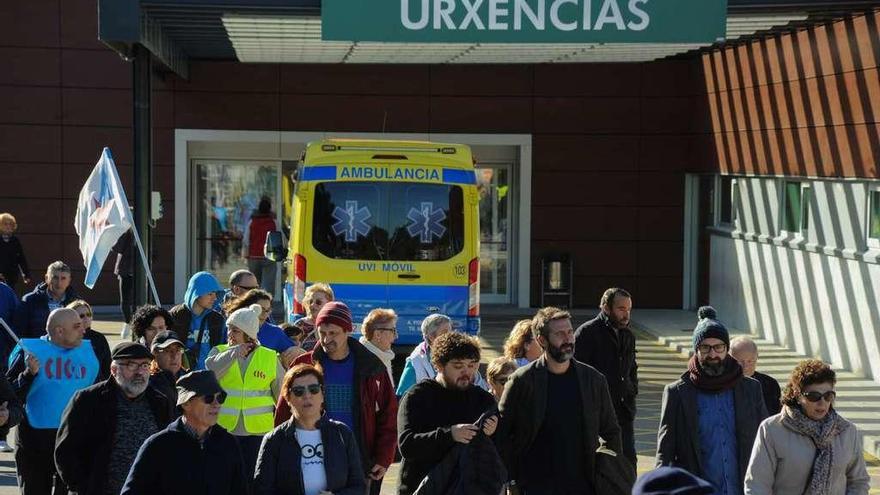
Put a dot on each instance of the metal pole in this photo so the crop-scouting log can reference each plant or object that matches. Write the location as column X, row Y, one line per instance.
column 142, row 130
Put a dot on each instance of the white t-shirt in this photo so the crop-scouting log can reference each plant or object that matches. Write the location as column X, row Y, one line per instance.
column 312, row 461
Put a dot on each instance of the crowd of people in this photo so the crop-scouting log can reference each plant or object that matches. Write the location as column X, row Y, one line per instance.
column 212, row 396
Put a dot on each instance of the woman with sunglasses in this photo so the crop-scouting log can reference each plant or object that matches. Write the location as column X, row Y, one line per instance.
column 251, row 375
column 808, row 448
column 99, row 342
column 309, row 454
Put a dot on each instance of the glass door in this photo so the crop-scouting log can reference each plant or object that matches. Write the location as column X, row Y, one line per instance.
column 496, row 206
column 227, row 192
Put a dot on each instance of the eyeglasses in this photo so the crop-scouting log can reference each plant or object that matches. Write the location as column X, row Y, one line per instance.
column 814, row 396
column 300, row 390
column 133, row 366
column 248, row 288
column 86, row 315
column 220, row 398
column 387, row 329
column 705, row 348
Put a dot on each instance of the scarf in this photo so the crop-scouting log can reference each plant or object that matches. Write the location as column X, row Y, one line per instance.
column 713, row 384
column 385, row 356
column 822, row 434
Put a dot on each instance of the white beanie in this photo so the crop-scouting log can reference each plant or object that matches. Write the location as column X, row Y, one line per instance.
column 246, row 319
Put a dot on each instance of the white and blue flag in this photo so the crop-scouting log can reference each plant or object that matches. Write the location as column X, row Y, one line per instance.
column 102, row 216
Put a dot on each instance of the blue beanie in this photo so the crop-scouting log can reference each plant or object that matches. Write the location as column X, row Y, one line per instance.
column 671, row 481
column 709, row 328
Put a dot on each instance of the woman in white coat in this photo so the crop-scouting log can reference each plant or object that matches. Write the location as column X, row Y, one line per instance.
column 808, row 448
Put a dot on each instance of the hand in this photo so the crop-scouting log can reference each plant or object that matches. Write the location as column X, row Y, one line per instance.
column 377, row 472
column 490, row 425
column 463, row 433
column 33, row 365
column 243, row 350
column 4, row 413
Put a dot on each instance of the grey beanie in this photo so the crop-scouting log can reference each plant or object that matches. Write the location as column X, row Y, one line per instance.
column 708, row 327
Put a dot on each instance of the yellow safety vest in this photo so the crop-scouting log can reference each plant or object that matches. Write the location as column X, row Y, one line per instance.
column 251, row 396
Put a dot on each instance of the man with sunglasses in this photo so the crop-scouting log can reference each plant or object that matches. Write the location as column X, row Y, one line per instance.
column 240, row 282
column 105, row 424
column 709, row 417
column 193, row 455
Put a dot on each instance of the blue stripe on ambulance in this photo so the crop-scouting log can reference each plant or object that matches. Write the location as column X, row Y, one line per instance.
column 319, row 173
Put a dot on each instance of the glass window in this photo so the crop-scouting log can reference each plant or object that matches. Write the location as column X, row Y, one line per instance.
column 388, row 221
column 795, row 207
column 727, row 208
column 874, row 217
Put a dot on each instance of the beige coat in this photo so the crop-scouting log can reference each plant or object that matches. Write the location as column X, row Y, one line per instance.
column 782, row 461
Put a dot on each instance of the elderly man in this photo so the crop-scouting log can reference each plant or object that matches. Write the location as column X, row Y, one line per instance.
column 55, row 292
column 105, row 424
column 709, row 418
column 194, row 455
column 240, row 282
column 45, row 373
column 745, row 351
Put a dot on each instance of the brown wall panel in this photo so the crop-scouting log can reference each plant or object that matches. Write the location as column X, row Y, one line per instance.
column 97, row 107
column 480, row 114
column 19, row 180
column 203, row 110
column 584, row 188
column 353, row 79
column 481, row 80
column 597, row 223
column 32, row 23
column 95, row 69
column 661, row 223
column 29, row 105
column 30, row 143
column 29, row 66
column 583, row 152
column 587, row 115
column 596, row 80
column 350, row 113
column 84, row 144
column 229, row 77
column 79, row 24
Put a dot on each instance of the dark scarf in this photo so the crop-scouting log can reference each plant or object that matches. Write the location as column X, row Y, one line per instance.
column 728, row 379
column 822, row 433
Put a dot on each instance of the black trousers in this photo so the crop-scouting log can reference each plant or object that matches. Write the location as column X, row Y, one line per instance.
column 35, row 461
column 627, row 438
column 126, row 296
column 250, row 450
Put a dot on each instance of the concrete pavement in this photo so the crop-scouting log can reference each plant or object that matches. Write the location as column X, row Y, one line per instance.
column 662, row 344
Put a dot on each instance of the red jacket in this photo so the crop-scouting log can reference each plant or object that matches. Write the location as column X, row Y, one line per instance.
column 260, row 226
column 374, row 398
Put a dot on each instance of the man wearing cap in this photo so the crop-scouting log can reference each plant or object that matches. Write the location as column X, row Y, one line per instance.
column 193, row 455
column 358, row 390
column 167, row 365
column 251, row 375
column 709, row 417
column 104, row 425
column 45, row 373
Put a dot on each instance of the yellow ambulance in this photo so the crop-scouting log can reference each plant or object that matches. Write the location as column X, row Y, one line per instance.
column 388, row 224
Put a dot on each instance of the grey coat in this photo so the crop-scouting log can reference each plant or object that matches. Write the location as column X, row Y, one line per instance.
column 678, row 439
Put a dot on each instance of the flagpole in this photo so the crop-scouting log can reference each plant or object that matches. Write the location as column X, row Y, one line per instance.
column 137, row 240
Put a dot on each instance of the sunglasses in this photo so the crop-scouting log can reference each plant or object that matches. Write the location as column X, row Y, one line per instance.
column 85, row 315
column 219, row 397
column 300, row 390
column 814, row 396
column 248, row 288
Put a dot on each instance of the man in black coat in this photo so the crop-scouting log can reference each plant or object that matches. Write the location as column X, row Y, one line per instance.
column 104, row 425
column 745, row 351
column 194, row 455
column 436, row 414
column 56, row 292
column 553, row 412
column 607, row 344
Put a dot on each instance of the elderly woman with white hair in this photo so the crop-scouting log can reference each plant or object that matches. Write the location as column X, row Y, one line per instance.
column 418, row 365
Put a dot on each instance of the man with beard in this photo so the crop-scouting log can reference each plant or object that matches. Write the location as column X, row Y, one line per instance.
column 436, row 414
column 709, row 417
column 104, row 425
column 553, row 412
column 607, row 344
column 357, row 388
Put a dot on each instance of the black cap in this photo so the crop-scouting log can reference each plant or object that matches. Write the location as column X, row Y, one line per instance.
column 130, row 350
column 671, row 481
column 195, row 384
column 164, row 339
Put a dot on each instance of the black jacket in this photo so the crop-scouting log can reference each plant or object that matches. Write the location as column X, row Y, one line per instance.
column 772, row 393
column 33, row 312
column 12, row 260
column 213, row 322
column 16, row 410
column 613, row 353
column 279, row 464
column 85, row 437
column 173, row 462
column 424, row 420
column 523, row 406
column 678, row 439
column 102, row 352
column 166, row 383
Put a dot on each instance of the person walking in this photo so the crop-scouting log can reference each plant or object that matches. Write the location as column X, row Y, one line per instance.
column 808, row 448
column 251, row 375
column 380, row 332
column 148, row 321
column 13, row 264
column 309, row 454
column 315, row 297
column 520, row 344
column 97, row 339
column 55, row 292
column 435, row 415
column 258, row 227
column 710, row 416
column 358, row 391
column 553, row 412
column 745, row 351
column 498, row 373
column 45, row 374
column 607, row 344
column 124, row 271
column 104, row 425
column 193, row 455
column 195, row 321
column 11, row 411
column 270, row 335
column 167, row 366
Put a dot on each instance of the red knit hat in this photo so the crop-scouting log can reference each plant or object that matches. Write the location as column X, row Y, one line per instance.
column 337, row 313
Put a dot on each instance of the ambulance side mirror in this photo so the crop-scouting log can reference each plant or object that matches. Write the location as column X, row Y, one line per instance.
column 274, row 248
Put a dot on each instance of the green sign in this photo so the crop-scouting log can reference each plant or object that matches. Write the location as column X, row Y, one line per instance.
column 525, row 21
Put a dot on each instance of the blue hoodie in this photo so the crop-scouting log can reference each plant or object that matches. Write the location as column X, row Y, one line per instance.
column 200, row 284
